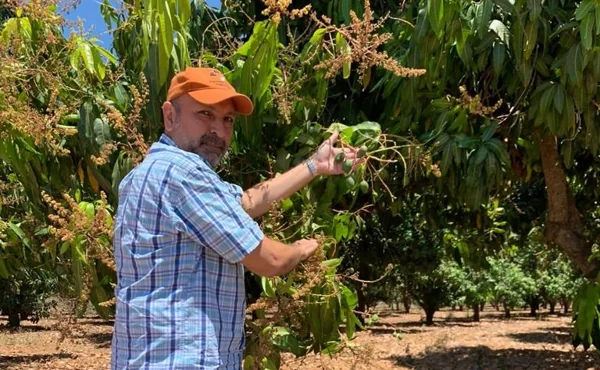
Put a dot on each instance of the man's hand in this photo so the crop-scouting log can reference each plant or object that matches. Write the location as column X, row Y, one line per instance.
column 324, row 158
column 257, row 200
column 307, row 247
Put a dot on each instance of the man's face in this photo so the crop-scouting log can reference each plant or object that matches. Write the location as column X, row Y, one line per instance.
column 202, row 129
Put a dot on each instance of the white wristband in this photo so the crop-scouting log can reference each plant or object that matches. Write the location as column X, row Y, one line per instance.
column 311, row 167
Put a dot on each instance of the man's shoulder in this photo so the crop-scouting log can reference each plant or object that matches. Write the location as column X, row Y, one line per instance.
column 166, row 162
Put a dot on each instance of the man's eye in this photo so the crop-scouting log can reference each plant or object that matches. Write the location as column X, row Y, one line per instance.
column 229, row 119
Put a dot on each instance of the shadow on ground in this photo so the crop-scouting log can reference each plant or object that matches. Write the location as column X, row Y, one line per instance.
column 484, row 358
column 24, row 328
column 8, row 361
column 101, row 340
column 550, row 337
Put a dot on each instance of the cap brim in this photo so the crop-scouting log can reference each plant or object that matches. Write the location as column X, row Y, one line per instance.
column 243, row 104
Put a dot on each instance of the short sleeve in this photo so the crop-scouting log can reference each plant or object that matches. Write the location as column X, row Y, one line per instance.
column 211, row 213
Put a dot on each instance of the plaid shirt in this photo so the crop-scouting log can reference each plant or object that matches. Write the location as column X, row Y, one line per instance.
column 180, row 234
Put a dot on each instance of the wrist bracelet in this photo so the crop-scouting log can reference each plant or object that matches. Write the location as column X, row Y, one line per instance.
column 311, row 166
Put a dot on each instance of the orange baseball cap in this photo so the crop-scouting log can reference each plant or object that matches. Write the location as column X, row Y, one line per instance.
column 207, row 86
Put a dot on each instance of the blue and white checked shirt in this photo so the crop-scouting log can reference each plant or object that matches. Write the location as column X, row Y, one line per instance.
column 180, row 234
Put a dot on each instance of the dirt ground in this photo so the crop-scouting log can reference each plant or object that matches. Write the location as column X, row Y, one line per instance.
column 397, row 341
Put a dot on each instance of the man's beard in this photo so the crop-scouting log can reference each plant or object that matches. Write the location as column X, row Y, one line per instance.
column 211, row 148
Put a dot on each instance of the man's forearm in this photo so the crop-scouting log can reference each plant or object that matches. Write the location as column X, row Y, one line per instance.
column 272, row 258
column 257, row 200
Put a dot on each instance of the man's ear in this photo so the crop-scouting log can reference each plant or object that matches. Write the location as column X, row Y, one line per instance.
column 169, row 116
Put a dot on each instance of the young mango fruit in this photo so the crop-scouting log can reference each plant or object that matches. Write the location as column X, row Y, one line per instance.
column 347, row 165
column 364, row 186
column 362, row 151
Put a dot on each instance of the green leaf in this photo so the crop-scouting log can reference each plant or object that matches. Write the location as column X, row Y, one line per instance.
column 86, row 126
column 283, row 339
column 90, row 211
column 267, row 286
column 483, row 15
column 559, row 99
column 340, row 231
column 165, row 44
column 98, row 64
column 535, row 9
column 597, row 13
column 545, row 100
column 345, row 7
column 575, row 64
column 185, row 10
column 351, row 323
column 107, row 54
column 586, row 31
column 97, row 296
column 463, row 47
column 120, row 96
column 447, row 156
column 17, row 230
column 344, row 49
column 583, row 9
column 480, row 155
column 422, row 24
column 466, row 142
column 3, row 270
column 77, row 253
column 75, row 59
column 492, row 169
column 568, row 154
column 587, row 302
column 501, row 30
column 531, row 34
column 489, row 131
column 435, row 13
column 332, row 263
column 65, row 247
column 88, row 57
column 317, row 36
column 498, row 58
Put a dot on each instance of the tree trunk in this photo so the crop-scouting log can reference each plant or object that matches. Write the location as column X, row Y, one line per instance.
column 565, row 304
column 564, row 226
column 362, row 302
column 534, row 303
column 406, row 303
column 460, row 308
column 476, row 312
column 429, row 316
column 506, row 313
column 481, row 306
column 14, row 319
column 533, row 312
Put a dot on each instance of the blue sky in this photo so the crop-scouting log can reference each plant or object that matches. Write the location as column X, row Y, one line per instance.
column 93, row 23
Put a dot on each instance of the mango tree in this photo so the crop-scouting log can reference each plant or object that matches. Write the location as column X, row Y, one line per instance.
column 78, row 118
column 504, row 98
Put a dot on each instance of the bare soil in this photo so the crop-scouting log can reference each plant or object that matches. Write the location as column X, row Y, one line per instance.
column 396, row 341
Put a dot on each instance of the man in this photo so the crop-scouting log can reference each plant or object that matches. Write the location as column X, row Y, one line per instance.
column 183, row 236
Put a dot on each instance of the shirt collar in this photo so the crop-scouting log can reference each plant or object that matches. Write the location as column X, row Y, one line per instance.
column 166, row 140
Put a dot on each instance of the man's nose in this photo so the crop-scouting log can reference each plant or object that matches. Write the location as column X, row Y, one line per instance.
column 217, row 129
